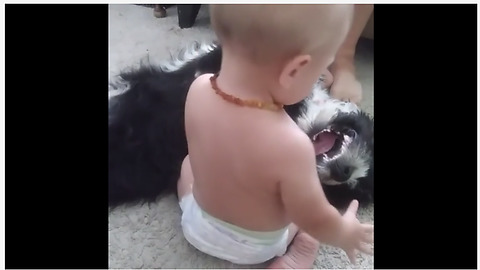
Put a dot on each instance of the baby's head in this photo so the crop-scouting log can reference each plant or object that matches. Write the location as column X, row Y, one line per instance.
column 291, row 44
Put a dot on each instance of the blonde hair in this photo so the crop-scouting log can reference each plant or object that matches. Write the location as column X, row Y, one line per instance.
column 264, row 33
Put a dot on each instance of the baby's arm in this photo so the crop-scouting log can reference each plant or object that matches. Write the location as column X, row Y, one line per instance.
column 307, row 205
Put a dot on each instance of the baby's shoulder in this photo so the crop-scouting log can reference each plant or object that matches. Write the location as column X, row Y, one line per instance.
column 196, row 92
column 290, row 144
column 201, row 82
column 296, row 141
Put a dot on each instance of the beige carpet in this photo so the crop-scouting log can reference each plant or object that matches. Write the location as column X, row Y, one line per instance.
column 149, row 236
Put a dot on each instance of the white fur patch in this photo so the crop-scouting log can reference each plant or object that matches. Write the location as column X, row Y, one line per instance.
column 190, row 53
column 320, row 108
column 355, row 157
column 117, row 87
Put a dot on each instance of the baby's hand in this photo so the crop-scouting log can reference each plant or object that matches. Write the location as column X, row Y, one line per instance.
column 358, row 237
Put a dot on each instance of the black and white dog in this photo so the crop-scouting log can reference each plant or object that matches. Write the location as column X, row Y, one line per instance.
column 147, row 140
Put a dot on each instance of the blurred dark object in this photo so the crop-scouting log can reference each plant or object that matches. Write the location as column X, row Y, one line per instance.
column 187, row 14
column 160, row 11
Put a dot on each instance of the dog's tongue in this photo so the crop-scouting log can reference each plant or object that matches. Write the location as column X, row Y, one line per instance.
column 324, row 142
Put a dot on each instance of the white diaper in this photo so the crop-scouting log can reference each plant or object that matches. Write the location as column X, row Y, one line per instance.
column 227, row 241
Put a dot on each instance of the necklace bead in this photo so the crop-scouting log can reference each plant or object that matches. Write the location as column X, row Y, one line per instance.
column 249, row 103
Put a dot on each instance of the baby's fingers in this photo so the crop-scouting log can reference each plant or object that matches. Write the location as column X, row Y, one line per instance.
column 364, row 248
column 352, row 208
column 367, row 228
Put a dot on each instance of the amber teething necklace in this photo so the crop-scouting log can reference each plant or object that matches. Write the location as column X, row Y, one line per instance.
column 249, row 103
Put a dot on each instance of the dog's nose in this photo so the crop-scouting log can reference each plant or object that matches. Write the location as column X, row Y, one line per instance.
column 340, row 172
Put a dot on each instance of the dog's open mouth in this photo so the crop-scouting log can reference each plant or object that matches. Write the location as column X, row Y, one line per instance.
column 330, row 143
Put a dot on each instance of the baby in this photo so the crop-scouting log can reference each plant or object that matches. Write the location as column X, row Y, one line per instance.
column 249, row 185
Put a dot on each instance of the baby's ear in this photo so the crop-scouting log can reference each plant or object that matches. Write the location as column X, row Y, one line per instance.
column 292, row 68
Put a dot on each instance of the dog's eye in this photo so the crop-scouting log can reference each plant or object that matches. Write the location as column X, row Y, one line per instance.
column 351, row 133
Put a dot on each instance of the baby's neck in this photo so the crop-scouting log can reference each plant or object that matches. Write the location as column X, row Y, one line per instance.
column 245, row 81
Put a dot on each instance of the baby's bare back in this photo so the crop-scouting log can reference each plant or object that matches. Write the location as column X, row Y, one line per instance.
column 232, row 152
